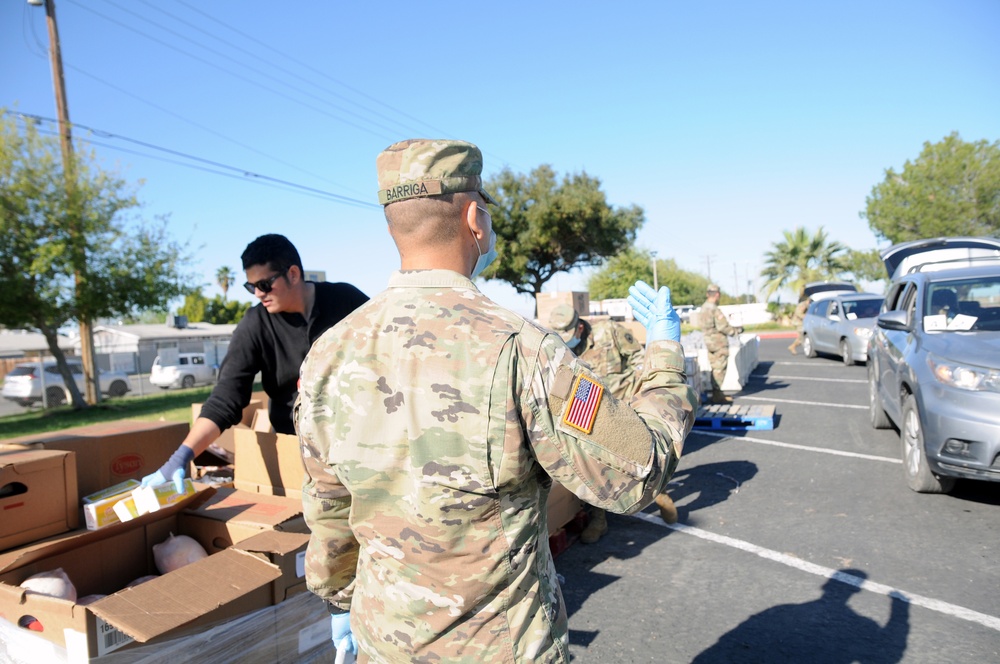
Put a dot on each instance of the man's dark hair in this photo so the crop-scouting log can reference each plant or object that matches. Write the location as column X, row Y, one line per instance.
column 272, row 250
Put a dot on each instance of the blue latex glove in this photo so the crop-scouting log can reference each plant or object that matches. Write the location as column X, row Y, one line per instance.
column 175, row 469
column 654, row 311
column 343, row 637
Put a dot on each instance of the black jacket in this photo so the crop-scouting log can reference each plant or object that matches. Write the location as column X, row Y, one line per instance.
column 274, row 345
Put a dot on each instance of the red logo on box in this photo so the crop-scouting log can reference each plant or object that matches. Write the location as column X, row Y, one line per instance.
column 127, row 464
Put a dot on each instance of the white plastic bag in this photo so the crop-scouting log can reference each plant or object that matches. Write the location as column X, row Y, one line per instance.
column 176, row 552
column 54, row 583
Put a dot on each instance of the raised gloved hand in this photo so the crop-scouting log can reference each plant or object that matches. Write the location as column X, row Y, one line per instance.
column 175, row 469
column 654, row 311
column 343, row 637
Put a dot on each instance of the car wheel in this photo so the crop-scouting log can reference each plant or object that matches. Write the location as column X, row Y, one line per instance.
column 807, row 346
column 845, row 353
column 187, row 381
column 56, row 396
column 918, row 473
column 118, row 389
column 876, row 414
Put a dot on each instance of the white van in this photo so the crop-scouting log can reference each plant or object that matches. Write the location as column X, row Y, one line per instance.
column 173, row 369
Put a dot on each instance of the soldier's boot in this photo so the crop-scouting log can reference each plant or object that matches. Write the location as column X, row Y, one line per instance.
column 668, row 511
column 719, row 397
column 596, row 526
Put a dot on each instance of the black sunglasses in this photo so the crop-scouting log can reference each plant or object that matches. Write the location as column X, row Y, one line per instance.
column 264, row 285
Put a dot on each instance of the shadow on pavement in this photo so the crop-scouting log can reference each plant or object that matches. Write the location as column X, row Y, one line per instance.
column 824, row 631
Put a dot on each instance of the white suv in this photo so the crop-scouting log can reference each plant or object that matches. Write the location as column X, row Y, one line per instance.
column 23, row 385
column 173, row 369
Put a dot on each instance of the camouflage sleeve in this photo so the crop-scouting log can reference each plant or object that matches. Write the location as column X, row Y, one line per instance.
column 619, row 456
column 332, row 554
column 633, row 357
column 722, row 324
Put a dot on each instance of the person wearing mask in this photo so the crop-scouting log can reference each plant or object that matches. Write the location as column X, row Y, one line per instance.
column 272, row 340
column 432, row 422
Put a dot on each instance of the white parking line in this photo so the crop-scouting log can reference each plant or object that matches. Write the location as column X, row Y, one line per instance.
column 805, row 448
column 824, row 380
column 946, row 608
column 808, row 403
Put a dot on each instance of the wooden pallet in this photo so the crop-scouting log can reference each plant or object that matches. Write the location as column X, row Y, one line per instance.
column 732, row 417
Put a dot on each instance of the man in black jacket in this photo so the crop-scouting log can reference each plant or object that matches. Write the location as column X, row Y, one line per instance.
column 272, row 339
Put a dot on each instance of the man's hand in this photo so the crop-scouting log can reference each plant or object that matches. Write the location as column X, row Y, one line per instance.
column 174, row 470
column 654, row 311
column 343, row 637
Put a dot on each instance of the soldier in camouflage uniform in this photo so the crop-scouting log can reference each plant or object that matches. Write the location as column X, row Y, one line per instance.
column 715, row 329
column 615, row 355
column 432, row 423
column 797, row 319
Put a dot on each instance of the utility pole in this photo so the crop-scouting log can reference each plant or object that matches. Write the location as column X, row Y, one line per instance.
column 708, row 264
column 91, row 392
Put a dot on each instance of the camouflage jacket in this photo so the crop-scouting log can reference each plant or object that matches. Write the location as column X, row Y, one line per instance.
column 715, row 327
column 432, row 423
column 614, row 355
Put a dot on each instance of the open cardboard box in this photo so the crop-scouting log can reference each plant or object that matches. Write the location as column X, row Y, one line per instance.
column 227, row 584
column 268, row 463
column 38, row 495
column 112, row 452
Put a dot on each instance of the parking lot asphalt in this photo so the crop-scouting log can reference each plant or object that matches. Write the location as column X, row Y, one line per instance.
column 799, row 544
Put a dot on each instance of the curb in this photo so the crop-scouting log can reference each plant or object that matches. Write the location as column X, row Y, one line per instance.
column 777, row 335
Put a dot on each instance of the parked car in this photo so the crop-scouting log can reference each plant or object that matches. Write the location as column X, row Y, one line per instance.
column 23, row 385
column 934, row 360
column 841, row 325
column 173, row 369
column 685, row 310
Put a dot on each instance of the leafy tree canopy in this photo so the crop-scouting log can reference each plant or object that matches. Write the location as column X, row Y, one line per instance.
column 545, row 226
column 218, row 310
column 621, row 271
column 71, row 248
column 802, row 258
column 866, row 265
column 952, row 188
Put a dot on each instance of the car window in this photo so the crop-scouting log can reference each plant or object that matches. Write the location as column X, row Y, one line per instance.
column 197, row 359
column 963, row 304
column 22, row 371
column 834, row 310
column 182, row 360
column 908, row 302
column 54, row 369
column 854, row 309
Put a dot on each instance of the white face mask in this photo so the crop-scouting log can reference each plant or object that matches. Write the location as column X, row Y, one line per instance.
column 486, row 259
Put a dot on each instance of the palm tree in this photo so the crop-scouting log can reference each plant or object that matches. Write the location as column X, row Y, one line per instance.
column 225, row 278
column 802, row 258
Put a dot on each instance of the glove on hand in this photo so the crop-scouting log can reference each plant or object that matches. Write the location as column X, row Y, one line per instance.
column 343, row 637
column 654, row 311
column 175, row 469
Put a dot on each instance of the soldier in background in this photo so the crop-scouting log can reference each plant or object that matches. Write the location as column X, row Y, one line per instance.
column 715, row 330
column 797, row 319
column 611, row 350
column 432, row 422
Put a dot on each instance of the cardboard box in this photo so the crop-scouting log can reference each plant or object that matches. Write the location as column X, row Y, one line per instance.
column 112, row 452
column 286, row 551
column 220, row 587
column 225, row 443
column 561, row 507
column 38, row 495
column 268, row 463
column 243, row 514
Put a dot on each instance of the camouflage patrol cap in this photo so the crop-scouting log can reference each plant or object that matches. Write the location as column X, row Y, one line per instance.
column 563, row 321
column 712, row 288
column 421, row 167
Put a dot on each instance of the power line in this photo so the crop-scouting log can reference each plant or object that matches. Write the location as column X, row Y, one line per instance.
column 242, row 173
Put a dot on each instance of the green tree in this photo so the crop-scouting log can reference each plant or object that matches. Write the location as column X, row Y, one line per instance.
column 220, row 311
column 866, row 265
column 613, row 279
column 802, row 258
column 50, row 233
column 225, row 277
column 952, row 188
column 195, row 304
column 545, row 226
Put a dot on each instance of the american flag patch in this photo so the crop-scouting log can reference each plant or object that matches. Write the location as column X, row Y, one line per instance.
column 582, row 407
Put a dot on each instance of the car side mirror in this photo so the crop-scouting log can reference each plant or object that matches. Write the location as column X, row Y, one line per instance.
column 835, row 318
column 893, row 320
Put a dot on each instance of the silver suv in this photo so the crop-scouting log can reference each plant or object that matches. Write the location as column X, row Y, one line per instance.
column 23, row 385
column 934, row 360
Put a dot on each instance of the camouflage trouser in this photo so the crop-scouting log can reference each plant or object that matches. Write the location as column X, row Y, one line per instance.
column 719, row 361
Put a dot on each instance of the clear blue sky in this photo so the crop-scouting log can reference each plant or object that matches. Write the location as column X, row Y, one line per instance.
column 728, row 122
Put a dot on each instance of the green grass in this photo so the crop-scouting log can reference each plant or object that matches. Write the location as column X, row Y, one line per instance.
column 173, row 406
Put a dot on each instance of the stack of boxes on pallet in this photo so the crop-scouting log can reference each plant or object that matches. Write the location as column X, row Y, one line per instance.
column 245, row 602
